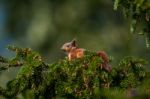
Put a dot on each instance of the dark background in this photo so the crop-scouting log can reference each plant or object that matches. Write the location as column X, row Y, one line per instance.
column 45, row 25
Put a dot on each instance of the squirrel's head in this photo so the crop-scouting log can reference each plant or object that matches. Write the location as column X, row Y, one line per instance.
column 69, row 45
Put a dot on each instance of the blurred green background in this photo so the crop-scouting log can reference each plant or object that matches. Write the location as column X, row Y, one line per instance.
column 45, row 25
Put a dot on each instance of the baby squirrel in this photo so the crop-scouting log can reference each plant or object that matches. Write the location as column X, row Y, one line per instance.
column 74, row 52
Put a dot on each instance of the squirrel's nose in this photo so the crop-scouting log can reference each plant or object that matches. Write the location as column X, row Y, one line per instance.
column 62, row 48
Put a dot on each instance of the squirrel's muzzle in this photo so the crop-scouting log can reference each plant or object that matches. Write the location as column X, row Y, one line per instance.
column 63, row 49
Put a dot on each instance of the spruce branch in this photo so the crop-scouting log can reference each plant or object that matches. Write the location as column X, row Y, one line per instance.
column 139, row 13
column 80, row 78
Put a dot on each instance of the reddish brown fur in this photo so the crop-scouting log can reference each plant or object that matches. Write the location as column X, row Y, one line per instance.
column 74, row 52
column 104, row 56
column 105, row 59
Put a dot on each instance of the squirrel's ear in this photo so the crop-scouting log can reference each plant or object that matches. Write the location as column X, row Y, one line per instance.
column 74, row 42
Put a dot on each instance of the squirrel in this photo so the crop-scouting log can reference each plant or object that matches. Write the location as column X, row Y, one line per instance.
column 74, row 52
